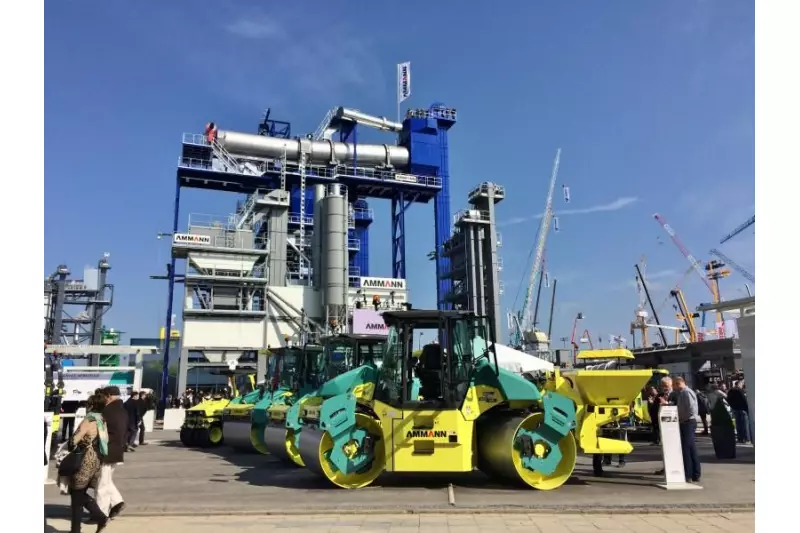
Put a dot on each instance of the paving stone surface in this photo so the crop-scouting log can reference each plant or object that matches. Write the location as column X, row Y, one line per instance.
column 434, row 523
column 164, row 478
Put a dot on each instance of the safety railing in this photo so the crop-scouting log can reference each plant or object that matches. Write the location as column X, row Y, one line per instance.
column 446, row 113
column 294, row 218
column 258, row 272
column 195, row 138
column 499, row 264
column 202, row 220
column 471, row 214
column 191, row 162
column 363, row 214
column 344, row 171
column 483, row 189
column 353, row 244
column 499, row 239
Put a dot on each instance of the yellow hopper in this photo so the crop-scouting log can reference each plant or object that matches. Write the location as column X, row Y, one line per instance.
column 602, row 398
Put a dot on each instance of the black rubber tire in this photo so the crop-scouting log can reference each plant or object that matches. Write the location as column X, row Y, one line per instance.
column 186, row 436
column 201, row 438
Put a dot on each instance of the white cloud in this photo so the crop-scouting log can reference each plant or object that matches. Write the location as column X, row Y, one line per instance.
column 258, row 28
column 656, row 281
column 616, row 205
column 300, row 52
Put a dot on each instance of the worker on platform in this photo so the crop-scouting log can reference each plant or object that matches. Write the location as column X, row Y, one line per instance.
column 211, row 132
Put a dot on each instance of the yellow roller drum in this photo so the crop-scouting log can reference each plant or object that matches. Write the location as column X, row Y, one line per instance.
column 499, row 456
column 323, row 444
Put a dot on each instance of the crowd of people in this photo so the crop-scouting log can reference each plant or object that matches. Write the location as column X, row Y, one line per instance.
column 190, row 398
column 693, row 406
column 94, row 451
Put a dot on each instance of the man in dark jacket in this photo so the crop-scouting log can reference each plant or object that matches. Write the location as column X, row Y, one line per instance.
column 108, row 497
column 143, row 405
column 738, row 402
column 132, row 408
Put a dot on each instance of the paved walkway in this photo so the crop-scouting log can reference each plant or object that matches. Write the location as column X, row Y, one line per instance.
column 433, row 523
column 165, row 478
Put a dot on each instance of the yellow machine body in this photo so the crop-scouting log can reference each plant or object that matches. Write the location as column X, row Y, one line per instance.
column 602, row 398
column 202, row 425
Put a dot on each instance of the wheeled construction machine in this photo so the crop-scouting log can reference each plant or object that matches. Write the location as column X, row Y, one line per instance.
column 604, row 398
column 203, row 425
column 316, row 365
column 451, row 410
column 244, row 422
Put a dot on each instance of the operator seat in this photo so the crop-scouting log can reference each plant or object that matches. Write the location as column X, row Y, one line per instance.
column 429, row 372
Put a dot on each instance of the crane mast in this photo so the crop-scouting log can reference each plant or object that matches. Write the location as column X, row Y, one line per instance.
column 689, row 257
column 527, row 322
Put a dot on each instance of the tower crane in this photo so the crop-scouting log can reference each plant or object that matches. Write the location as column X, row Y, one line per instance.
column 524, row 326
column 712, row 287
column 747, row 223
column 738, row 268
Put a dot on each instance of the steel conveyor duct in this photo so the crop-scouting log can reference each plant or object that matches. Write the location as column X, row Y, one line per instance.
column 319, row 152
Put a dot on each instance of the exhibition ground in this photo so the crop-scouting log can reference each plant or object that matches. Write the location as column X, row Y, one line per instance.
column 165, row 478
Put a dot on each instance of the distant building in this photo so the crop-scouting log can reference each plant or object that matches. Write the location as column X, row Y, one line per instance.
column 197, row 378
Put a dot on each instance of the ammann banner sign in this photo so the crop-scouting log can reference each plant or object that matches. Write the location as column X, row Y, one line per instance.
column 189, row 238
column 383, row 283
column 368, row 322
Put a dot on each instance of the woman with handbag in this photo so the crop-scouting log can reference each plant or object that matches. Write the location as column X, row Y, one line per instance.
column 82, row 465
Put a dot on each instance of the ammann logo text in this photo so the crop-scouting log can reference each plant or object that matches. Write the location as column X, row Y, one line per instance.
column 373, row 326
column 383, row 283
column 426, row 434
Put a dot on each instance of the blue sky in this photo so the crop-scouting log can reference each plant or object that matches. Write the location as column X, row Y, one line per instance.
column 651, row 103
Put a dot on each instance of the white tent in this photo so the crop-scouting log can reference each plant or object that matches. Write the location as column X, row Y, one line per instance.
column 519, row 362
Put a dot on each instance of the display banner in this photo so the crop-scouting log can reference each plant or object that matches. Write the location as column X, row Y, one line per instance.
column 368, row 322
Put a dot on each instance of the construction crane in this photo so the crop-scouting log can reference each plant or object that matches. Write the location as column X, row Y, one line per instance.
column 640, row 314
column 689, row 257
column 524, row 320
column 711, row 280
column 684, row 314
column 738, row 268
column 749, row 222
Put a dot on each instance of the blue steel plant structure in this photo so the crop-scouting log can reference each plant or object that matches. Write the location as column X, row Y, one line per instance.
column 323, row 182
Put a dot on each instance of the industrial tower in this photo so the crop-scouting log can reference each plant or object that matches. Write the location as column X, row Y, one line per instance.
column 294, row 258
column 74, row 308
column 475, row 262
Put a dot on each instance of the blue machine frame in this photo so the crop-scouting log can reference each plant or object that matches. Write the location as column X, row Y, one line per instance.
column 425, row 178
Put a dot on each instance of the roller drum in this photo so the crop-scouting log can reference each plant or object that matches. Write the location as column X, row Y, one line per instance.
column 236, row 432
column 310, row 442
column 275, row 441
column 319, row 152
column 363, row 450
column 499, row 456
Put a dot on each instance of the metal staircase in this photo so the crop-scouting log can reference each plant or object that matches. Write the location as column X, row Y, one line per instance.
column 229, row 163
column 319, row 133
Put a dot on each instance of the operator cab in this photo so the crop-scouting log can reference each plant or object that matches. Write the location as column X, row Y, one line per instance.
column 458, row 340
column 346, row 351
column 292, row 367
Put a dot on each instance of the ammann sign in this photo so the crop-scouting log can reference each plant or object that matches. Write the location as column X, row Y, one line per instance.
column 189, row 238
column 383, row 283
column 427, row 434
column 368, row 322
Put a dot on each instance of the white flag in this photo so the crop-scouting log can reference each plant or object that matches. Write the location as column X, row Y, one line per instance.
column 403, row 81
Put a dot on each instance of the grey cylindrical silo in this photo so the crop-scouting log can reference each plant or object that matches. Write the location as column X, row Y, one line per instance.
column 317, row 255
column 334, row 246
